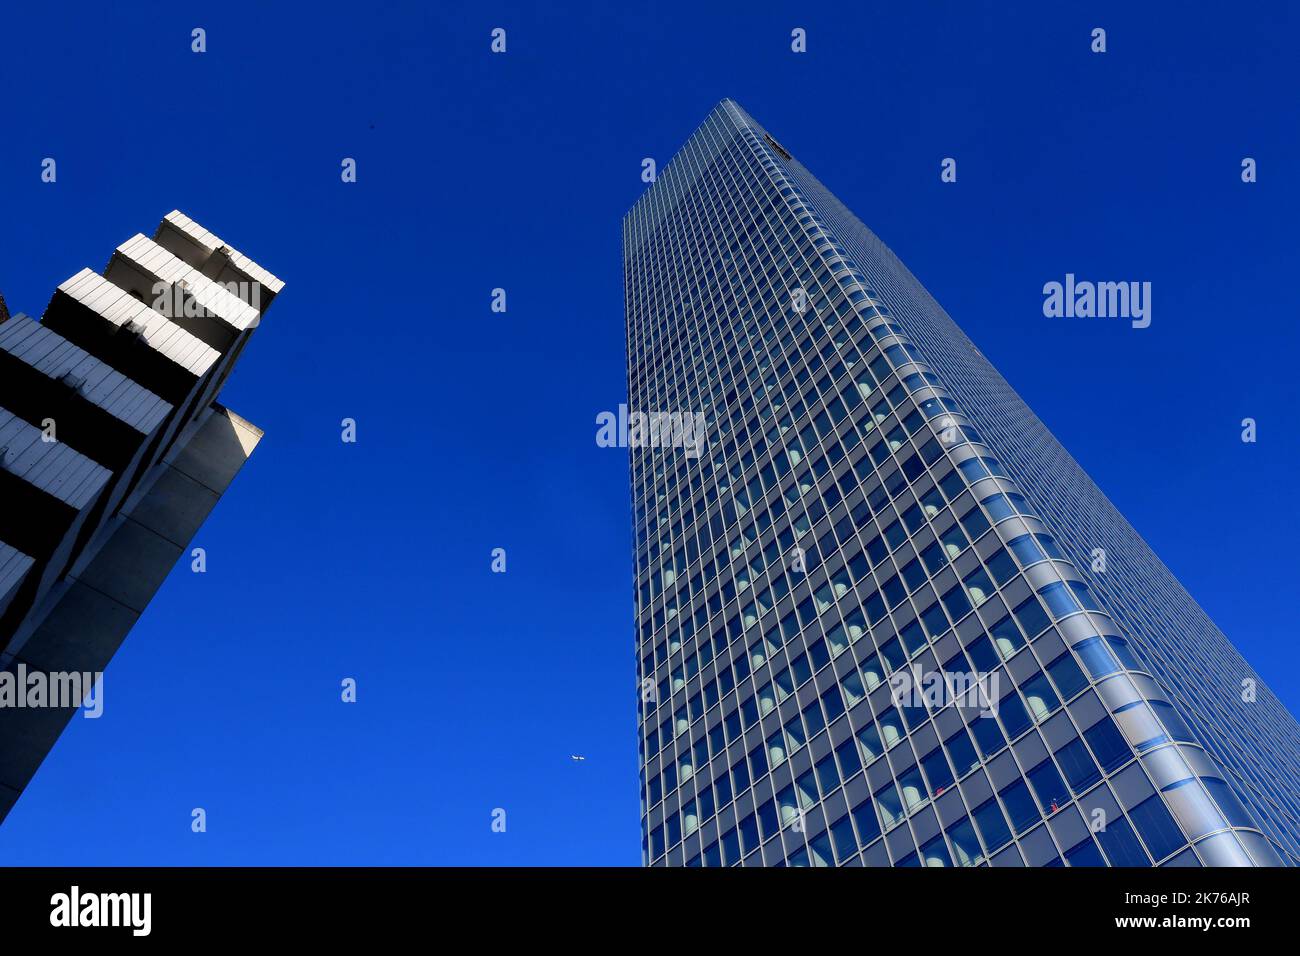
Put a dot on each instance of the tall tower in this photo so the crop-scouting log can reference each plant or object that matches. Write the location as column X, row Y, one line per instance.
column 868, row 626
column 113, row 451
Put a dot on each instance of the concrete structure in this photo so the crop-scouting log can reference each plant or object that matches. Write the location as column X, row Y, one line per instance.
column 113, row 451
column 878, row 524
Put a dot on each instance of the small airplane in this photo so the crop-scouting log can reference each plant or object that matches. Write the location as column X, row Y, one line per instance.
column 576, row 757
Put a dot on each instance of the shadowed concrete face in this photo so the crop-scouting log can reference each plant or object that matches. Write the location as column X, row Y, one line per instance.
column 100, row 603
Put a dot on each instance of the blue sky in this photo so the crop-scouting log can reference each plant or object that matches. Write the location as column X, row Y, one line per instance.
column 476, row 430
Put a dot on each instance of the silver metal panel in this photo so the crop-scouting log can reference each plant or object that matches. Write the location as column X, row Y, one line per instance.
column 181, row 224
column 14, row 566
column 159, row 332
column 52, row 467
column 54, row 356
column 153, row 260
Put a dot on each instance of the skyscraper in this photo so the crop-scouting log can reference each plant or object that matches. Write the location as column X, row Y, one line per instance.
column 113, row 451
column 871, row 623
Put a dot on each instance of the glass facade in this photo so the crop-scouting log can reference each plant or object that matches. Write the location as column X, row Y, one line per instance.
column 869, row 630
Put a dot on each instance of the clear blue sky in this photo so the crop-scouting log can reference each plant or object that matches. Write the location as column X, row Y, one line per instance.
column 476, row 430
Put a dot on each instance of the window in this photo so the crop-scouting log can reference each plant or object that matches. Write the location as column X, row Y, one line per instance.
column 869, row 741
column 827, row 776
column 1042, row 699
column 987, row 735
column 794, row 734
column 1000, row 566
column 1121, row 845
column 890, row 806
column 674, row 825
column 935, row 622
column 872, row 672
column 1060, row 599
column 1020, row 806
column 965, row 846
column 847, row 754
column 789, row 806
column 864, row 818
column 722, row 787
column 833, row 702
column 1031, row 617
column 853, row 689
column 740, row 776
column 998, row 506
column 1084, row 596
column 1026, row 550
column 1121, row 649
column 1078, row 765
column 933, row 558
column 894, row 591
column 1013, row 715
column 806, row 789
column 891, row 727
column 732, row 725
column 820, row 849
column 1108, row 744
column 802, row 671
column 1065, row 672
column 1227, row 800
column 974, row 522
column 992, row 824
column 961, row 752
column 956, row 603
column 1007, row 637
column 842, row 837
column 690, row 818
column 982, row 654
column 1085, row 854
column 1049, row 787
column 953, row 541
column 912, row 636
column 1096, row 657
column 979, row 586
column 812, row 715
column 951, row 484
column 913, row 788
column 706, row 803
column 749, row 834
column 1172, row 720
column 937, row 772
column 935, row 853
column 914, row 713
column 819, row 654
column 892, row 652
column 1156, row 827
